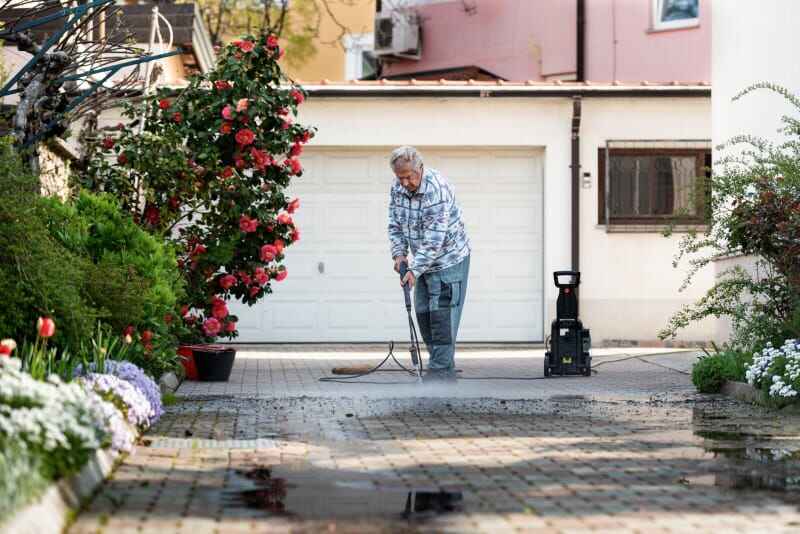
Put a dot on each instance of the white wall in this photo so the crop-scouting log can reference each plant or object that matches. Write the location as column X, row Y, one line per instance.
column 751, row 43
column 630, row 288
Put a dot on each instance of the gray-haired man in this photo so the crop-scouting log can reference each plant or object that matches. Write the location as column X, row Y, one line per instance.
column 424, row 216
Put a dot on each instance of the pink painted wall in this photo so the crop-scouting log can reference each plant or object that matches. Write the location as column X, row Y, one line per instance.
column 642, row 54
column 533, row 39
column 514, row 39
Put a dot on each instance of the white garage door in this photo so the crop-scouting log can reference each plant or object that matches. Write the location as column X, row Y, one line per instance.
column 341, row 286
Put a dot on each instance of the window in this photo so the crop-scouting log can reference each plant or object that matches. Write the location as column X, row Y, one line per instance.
column 360, row 61
column 652, row 185
column 671, row 14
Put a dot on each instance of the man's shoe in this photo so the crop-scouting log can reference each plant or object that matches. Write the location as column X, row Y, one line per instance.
column 443, row 376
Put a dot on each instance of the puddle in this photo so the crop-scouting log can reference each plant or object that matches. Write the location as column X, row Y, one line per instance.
column 310, row 496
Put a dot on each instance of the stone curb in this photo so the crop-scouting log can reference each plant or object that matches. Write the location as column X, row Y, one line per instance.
column 741, row 391
column 51, row 512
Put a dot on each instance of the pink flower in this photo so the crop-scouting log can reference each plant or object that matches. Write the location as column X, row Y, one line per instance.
column 296, row 150
column 298, row 96
column 245, row 136
column 227, row 113
column 240, row 163
column 281, row 275
column 285, row 218
column 272, row 42
column 294, row 163
column 220, row 312
column 46, row 327
column 241, row 105
column 260, row 158
column 247, row 224
column 295, row 235
column 245, row 46
column 230, row 327
column 199, row 249
column 279, row 244
column 222, row 85
column 255, row 290
column 211, row 327
column 261, row 276
column 245, row 278
column 293, row 206
column 227, row 281
column 184, row 310
column 283, row 111
column 268, row 253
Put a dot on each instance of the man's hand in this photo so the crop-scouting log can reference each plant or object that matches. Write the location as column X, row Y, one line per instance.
column 409, row 279
column 397, row 261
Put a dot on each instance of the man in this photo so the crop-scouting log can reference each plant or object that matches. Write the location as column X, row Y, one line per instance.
column 424, row 216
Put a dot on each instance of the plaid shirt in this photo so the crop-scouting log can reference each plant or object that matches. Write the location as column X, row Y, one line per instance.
column 428, row 221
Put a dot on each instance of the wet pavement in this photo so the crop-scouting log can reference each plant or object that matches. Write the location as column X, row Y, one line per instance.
column 590, row 461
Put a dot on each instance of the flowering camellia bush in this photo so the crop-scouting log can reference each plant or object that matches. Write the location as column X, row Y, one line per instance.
column 209, row 173
column 777, row 371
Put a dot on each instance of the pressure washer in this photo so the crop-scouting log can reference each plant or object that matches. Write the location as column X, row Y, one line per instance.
column 570, row 343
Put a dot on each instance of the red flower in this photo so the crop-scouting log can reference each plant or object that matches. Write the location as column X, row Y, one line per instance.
column 152, row 215
column 247, row 224
column 46, row 327
column 199, row 249
column 227, row 172
column 284, row 218
column 294, row 163
column 245, row 278
column 222, row 85
column 168, row 318
column 225, row 128
column 230, row 327
column 164, row 103
column 293, row 206
column 272, row 42
column 227, row 113
column 261, row 276
column 260, row 158
column 281, row 275
column 227, row 281
column 122, row 159
column 268, row 253
column 211, row 327
column 255, row 290
column 129, row 330
column 296, row 150
column 147, row 336
column 220, row 312
column 298, row 96
column 108, row 143
column 279, row 244
column 7, row 346
column 177, row 117
column 184, row 310
column 245, row 136
column 283, row 111
column 240, row 163
column 295, row 235
column 174, row 202
column 245, row 46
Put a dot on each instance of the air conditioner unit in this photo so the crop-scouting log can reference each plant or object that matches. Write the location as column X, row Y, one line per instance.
column 397, row 35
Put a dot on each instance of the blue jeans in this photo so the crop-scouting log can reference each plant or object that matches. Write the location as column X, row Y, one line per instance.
column 438, row 301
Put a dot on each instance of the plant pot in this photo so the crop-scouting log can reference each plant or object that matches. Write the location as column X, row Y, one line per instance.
column 214, row 362
column 187, row 361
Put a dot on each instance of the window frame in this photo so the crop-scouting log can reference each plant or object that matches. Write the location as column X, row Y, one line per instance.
column 702, row 162
column 658, row 25
column 355, row 45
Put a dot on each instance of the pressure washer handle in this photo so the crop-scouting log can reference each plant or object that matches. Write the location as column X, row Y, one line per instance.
column 403, row 268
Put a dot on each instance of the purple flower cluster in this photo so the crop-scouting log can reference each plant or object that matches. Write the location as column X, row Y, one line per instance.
column 135, row 405
column 133, row 374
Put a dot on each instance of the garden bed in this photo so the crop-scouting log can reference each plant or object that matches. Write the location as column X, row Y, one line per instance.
column 52, row 511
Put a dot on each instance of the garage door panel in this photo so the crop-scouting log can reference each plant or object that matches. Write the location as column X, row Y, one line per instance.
column 344, row 197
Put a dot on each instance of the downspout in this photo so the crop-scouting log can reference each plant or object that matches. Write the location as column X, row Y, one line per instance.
column 580, row 46
column 576, row 172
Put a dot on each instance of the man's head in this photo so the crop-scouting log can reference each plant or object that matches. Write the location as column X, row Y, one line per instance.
column 406, row 164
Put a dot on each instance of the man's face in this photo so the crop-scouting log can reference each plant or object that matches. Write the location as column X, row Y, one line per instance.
column 408, row 177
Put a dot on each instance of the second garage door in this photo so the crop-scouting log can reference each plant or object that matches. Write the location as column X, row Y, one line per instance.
column 341, row 286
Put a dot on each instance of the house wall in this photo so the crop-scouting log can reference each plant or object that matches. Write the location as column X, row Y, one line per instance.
column 328, row 62
column 534, row 40
column 751, row 44
column 629, row 288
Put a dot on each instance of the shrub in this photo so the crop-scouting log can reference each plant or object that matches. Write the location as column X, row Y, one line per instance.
column 713, row 369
